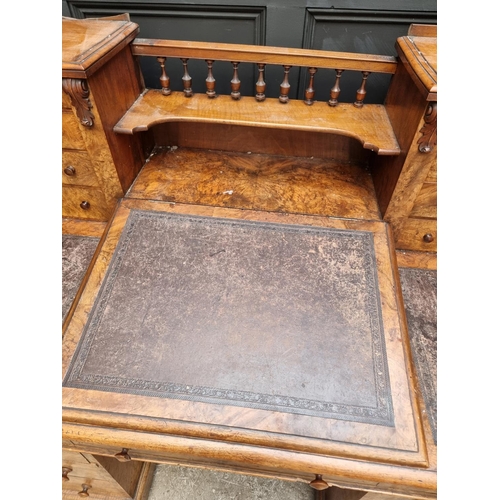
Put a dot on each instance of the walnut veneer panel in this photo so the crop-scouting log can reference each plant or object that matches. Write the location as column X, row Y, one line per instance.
column 81, row 171
column 257, row 181
column 425, row 205
column 255, row 340
column 71, row 135
column 74, row 196
column 411, row 235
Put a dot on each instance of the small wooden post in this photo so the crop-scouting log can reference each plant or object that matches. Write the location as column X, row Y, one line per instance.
column 235, row 82
column 285, row 86
column 260, row 86
column 361, row 93
column 186, row 79
column 309, row 93
column 164, row 79
column 335, row 90
column 210, row 81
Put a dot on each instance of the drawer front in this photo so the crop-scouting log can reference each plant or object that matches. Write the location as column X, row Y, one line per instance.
column 95, row 486
column 74, row 196
column 71, row 135
column 413, row 234
column 66, row 101
column 432, row 175
column 86, row 470
column 77, row 169
column 426, row 202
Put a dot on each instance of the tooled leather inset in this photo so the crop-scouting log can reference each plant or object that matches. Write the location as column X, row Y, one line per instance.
column 240, row 313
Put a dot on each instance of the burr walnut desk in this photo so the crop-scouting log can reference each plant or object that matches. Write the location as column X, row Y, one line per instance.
column 242, row 339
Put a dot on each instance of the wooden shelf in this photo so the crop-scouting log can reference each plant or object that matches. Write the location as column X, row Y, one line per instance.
column 369, row 124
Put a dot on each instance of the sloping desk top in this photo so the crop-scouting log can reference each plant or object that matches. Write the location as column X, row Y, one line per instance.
column 419, row 55
column 266, row 343
column 89, row 43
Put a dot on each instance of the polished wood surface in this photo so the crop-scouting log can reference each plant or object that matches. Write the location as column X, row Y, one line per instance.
column 82, row 227
column 264, row 54
column 419, row 260
column 313, row 186
column 420, row 53
column 89, row 43
column 369, row 124
column 423, row 30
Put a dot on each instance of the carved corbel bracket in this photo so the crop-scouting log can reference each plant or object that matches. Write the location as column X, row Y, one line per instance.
column 429, row 131
column 78, row 92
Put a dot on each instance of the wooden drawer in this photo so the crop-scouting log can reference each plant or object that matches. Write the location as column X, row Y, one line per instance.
column 107, row 488
column 106, row 477
column 412, row 232
column 86, row 470
column 77, row 169
column 426, row 202
column 66, row 101
column 72, row 198
column 432, row 175
column 71, row 135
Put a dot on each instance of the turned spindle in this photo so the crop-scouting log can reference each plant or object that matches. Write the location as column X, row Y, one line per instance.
column 210, row 81
column 309, row 93
column 361, row 93
column 285, row 86
column 260, row 86
column 164, row 78
column 235, row 82
column 335, row 90
column 186, row 79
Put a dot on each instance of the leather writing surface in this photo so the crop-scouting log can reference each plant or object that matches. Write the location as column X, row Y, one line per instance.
column 259, row 315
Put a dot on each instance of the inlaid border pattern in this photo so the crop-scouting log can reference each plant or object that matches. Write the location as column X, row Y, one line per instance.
column 382, row 414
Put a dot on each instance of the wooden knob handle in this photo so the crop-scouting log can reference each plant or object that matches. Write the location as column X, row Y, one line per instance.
column 70, row 170
column 318, row 483
column 85, row 205
column 85, row 490
column 428, row 238
column 65, row 472
column 123, row 456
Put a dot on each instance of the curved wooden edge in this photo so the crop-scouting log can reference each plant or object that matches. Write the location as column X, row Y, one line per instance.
column 369, row 124
column 164, row 448
column 200, row 432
